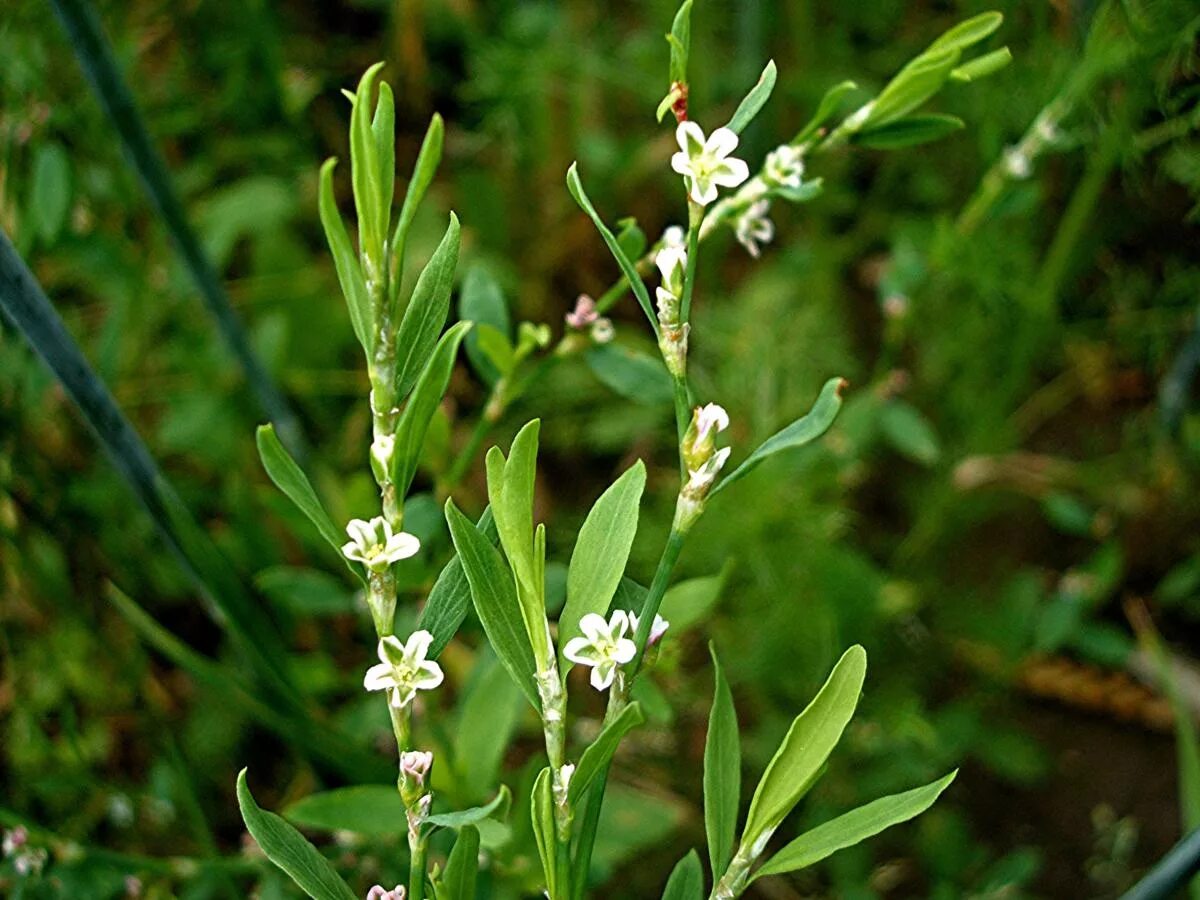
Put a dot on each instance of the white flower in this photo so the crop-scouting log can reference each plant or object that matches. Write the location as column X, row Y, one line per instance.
column 701, row 479
column 1018, row 163
column 603, row 646
column 657, row 630
column 399, row 892
column 674, row 236
column 584, row 313
column 603, row 331
column 403, row 669
column 705, row 163
column 784, row 166
column 754, row 228
column 15, row 839
column 382, row 450
column 416, row 764
column 672, row 264
column 376, row 546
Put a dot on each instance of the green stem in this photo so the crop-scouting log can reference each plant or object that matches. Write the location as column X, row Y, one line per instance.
column 695, row 220
column 418, row 848
column 658, row 589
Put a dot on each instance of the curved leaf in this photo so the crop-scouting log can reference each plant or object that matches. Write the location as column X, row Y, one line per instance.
column 426, row 312
column 687, row 879
column 596, row 757
column 755, row 100
column 722, row 773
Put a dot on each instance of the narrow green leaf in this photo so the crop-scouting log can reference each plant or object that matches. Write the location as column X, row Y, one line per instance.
column 383, row 132
column 510, row 491
column 853, row 827
column 50, row 193
column 596, row 757
column 690, row 601
column 982, row 66
column 826, row 110
column 628, row 269
column 462, row 868
column 426, row 312
column 970, row 32
column 369, row 809
column 912, row 86
column 424, row 401
column 287, row 848
column 910, row 433
column 450, row 597
column 489, row 712
column 803, row 431
column 680, row 40
column 497, row 808
column 495, row 352
column 290, row 479
column 687, row 879
column 630, row 373
column 807, row 746
column 631, row 237
column 722, row 773
column 428, row 158
column 349, row 274
column 754, row 101
column 481, row 301
column 495, row 599
column 364, row 167
column 909, row 132
column 541, row 810
column 601, row 552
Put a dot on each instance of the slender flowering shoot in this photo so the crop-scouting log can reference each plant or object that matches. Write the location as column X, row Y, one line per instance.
column 609, row 615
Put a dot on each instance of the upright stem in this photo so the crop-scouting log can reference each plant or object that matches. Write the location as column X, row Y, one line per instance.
column 418, row 847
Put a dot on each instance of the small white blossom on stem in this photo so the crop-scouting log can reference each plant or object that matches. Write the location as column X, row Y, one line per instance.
column 603, row 646
column 584, row 313
column 657, row 630
column 674, row 236
column 705, row 163
column 378, row 892
column 403, row 669
column 416, row 764
column 603, row 331
column 754, row 228
column 376, row 545
column 672, row 264
column 15, row 839
column 784, row 166
column 383, row 448
column 701, row 479
column 699, row 441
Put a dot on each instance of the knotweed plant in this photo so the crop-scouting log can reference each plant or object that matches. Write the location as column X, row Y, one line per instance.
column 610, row 625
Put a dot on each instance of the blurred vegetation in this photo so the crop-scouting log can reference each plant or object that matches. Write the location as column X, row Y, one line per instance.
column 1017, row 462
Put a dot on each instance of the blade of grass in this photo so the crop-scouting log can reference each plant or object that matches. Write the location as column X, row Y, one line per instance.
column 96, row 57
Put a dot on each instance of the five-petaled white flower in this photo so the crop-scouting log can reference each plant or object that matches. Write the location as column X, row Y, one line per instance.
column 403, row 669
column 603, row 646
column 657, row 630
column 376, row 546
column 378, row 892
column 754, row 228
column 784, row 166
column 705, row 163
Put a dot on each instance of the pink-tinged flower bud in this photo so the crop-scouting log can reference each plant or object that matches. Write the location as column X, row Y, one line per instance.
column 584, row 313
column 378, row 892
column 415, row 764
column 15, row 839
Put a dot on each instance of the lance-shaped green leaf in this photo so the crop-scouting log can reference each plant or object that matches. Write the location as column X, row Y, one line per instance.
column 722, row 773
column 909, row 132
column 290, row 478
column 634, row 375
column 826, row 110
column 489, row 710
column 450, row 597
column 806, row 747
column 853, row 828
column 601, row 552
column 426, row 395
column 426, row 311
column 541, row 811
column 754, row 101
column 912, row 86
column 364, row 167
column 687, row 879
column 510, row 491
column 628, row 269
column 680, row 41
column 368, row 809
column 982, row 66
column 288, row 849
column 597, row 756
column 349, row 274
column 497, row 808
column 495, row 599
column 423, row 171
column 803, row 431
column 968, row 33
column 481, row 301
column 383, row 133
column 462, row 868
